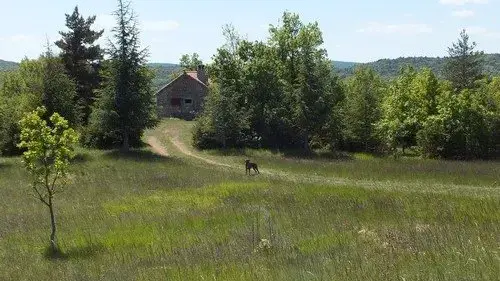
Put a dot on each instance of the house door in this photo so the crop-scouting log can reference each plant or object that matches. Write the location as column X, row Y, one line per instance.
column 187, row 106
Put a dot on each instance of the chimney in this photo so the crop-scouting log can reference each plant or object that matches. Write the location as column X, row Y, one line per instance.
column 201, row 74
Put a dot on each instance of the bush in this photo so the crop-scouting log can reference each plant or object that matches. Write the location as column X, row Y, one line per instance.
column 9, row 131
column 464, row 128
column 203, row 135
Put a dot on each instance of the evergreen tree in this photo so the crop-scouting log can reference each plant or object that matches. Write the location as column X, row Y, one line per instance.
column 464, row 66
column 126, row 104
column 81, row 58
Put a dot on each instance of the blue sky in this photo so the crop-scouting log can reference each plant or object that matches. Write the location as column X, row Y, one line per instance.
column 354, row 30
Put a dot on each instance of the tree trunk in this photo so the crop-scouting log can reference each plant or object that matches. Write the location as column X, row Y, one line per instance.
column 125, row 145
column 53, row 244
column 306, row 143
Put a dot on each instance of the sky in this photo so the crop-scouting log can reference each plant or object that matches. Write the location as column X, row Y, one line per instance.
column 353, row 30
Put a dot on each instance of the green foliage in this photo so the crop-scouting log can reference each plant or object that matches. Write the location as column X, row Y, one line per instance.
column 222, row 122
column 18, row 94
column 126, row 105
column 464, row 65
column 465, row 127
column 410, row 99
column 81, row 58
column 190, row 62
column 186, row 63
column 285, row 88
column 361, row 108
column 59, row 90
column 35, row 83
column 399, row 124
column 48, row 150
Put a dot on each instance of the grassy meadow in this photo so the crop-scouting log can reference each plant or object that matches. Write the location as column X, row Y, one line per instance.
column 142, row 216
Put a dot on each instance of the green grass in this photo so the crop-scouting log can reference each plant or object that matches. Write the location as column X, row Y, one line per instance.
column 144, row 217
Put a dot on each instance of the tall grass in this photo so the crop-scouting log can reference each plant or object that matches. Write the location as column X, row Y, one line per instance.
column 140, row 216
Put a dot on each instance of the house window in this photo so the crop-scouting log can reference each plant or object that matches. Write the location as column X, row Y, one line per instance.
column 188, row 101
column 175, row 101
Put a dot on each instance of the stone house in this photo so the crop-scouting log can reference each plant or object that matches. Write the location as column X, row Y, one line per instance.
column 183, row 97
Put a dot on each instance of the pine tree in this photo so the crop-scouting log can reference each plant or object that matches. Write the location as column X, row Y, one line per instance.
column 82, row 57
column 126, row 105
column 464, row 66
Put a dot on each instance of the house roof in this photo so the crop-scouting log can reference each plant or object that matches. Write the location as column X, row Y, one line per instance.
column 191, row 74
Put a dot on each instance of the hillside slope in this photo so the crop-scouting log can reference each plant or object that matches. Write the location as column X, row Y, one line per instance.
column 7, row 65
column 389, row 68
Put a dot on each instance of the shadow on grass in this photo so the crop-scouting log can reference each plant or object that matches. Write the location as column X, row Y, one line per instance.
column 81, row 158
column 317, row 155
column 4, row 165
column 139, row 155
column 84, row 252
column 289, row 153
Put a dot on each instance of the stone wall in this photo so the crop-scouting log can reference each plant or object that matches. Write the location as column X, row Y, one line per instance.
column 182, row 90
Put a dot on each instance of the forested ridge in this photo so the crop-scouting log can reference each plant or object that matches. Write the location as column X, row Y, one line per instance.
column 386, row 68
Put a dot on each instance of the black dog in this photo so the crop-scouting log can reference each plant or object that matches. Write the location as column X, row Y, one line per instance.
column 249, row 165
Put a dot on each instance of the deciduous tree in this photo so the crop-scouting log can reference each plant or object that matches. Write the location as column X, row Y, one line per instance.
column 48, row 149
column 361, row 107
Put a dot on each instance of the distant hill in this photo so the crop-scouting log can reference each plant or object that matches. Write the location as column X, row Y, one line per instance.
column 162, row 73
column 343, row 64
column 389, row 68
column 7, row 65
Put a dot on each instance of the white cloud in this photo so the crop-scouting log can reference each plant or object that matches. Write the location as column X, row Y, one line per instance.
column 462, row 2
column 463, row 13
column 166, row 25
column 404, row 29
column 481, row 31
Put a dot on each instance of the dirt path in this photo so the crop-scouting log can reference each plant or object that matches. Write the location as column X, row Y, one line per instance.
column 156, row 146
column 184, row 150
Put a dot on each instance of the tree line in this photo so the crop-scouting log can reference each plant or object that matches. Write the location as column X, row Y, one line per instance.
column 282, row 93
column 104, row 93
